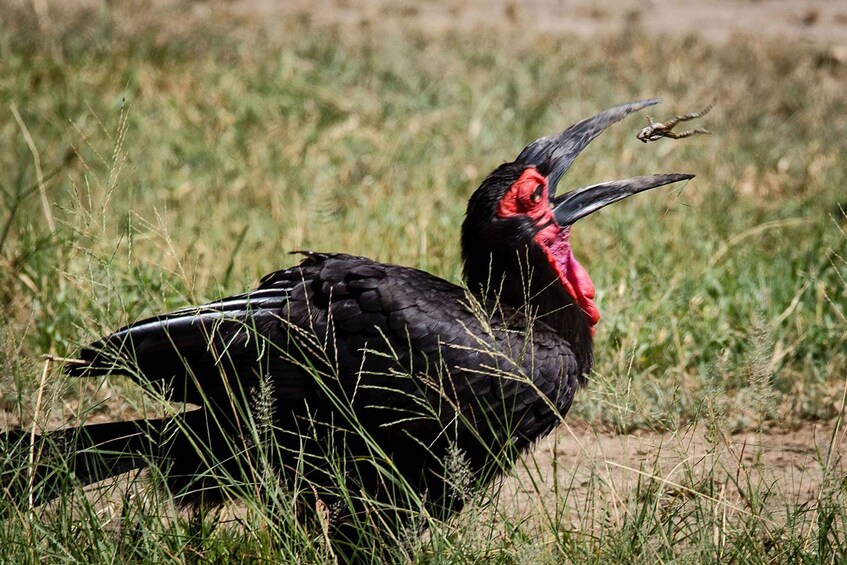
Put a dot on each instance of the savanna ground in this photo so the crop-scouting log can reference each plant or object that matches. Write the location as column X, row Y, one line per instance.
column 157, row 154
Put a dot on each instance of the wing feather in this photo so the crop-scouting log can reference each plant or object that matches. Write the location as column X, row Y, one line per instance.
column 396, row 342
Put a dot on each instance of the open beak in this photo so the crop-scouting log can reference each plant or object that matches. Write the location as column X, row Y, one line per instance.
column 554, row 154
column 576, row 204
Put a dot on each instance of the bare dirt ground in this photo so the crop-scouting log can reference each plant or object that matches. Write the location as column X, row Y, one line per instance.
column 716, row 20
column 599, row 470
column 810, row 21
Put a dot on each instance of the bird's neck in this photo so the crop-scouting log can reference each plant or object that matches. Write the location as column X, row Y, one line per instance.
column 527, row 281
column 554, row 242
column 551, row 302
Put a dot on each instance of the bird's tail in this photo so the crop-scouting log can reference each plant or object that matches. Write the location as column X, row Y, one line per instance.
column 37, row 469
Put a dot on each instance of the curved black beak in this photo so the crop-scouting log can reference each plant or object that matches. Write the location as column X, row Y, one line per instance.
column 553, row 155
column 574, row 205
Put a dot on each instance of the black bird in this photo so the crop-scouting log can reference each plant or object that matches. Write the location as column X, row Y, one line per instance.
column 367, row 385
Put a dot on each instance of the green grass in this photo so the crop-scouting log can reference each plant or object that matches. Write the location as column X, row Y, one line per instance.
column 192, row 159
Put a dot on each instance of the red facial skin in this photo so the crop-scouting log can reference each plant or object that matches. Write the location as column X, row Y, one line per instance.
column 525, row 198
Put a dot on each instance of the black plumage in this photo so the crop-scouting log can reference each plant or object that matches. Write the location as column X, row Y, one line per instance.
column 381, row 371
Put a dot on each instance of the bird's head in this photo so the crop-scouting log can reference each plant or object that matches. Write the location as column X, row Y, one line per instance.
column 516, row 235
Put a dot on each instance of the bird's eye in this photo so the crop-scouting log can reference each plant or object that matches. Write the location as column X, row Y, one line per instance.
column 539, row 191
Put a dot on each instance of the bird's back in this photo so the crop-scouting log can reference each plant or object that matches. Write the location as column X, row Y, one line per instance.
column 343, row 344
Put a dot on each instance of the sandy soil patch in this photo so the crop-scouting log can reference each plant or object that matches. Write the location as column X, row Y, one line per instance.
column 599, row 470
column 716, row 20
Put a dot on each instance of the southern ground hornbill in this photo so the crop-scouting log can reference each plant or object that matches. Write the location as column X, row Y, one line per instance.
column 360, row 384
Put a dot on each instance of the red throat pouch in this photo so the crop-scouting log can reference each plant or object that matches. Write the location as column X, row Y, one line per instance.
column 573, row 276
